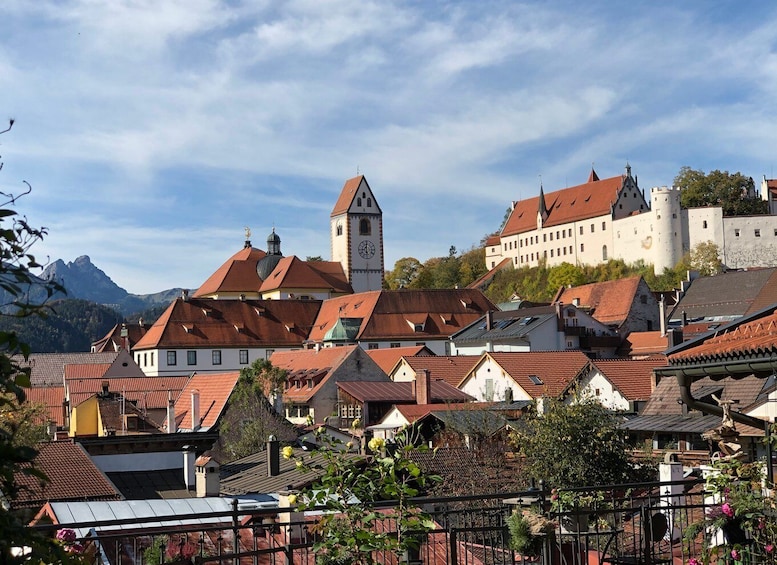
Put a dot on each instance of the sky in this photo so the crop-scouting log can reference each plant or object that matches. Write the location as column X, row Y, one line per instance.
column 153, row 132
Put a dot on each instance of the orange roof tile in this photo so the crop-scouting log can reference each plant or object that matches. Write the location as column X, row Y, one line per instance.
column 147, row 392
column 754, row 337
column 202, row 322
column 567, row 205
column 347, row 195
column 86, row 371
column 294, row 273
column 113, row 341
column 388, row 357
column 401, row 392
column 214, row 392
column 632, row 377
column 610, row 301
column 556, row 369
column 384, row 313
column 51, row 397
column 488, row 277
column 645, row 343
column 237, row 274
column 309, row 363
column 72, row 476
column 450, row 368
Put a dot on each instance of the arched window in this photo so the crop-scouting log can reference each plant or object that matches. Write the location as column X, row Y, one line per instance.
column 339, row 229
column 358, row 201
column 369, row 203
column 604, row 252
column 364, row 227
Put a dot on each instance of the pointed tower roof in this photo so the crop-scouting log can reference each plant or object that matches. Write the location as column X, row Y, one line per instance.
column 543, row 209
column 593, row 177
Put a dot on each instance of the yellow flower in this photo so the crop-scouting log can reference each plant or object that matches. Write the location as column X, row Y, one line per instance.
column 292, row 499
column 288, row 452
column 349, row 445
column 356, row 423
column 376, row 444
column 300, row 464
column 320, row 430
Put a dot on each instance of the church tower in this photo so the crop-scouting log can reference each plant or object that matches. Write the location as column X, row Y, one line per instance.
column 356, row 235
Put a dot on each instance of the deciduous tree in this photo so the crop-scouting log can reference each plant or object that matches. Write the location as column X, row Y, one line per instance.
column 734, row 192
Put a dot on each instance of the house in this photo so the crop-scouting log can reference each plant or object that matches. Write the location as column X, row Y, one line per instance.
column 523, row 376
column 48, row 369
column 236, row 278
column 711, row 302
column 293, row 279
column 625, row 305
column 211, row 336
column 370, row 401
column 638, row 345
column 109, row 413
column 121, row 336
column 555, row 327
column 448, row 368
column 313, row 376
column 203, row 401
column 71, row 476
column 397, row 318
column 388, row 357
column 623, row 385
column 610, row 218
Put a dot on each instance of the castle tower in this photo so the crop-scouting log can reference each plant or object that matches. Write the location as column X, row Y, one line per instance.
column 356, row 235
column 667, row 245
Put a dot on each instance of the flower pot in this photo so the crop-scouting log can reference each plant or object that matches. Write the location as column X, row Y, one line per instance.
column 574, row 523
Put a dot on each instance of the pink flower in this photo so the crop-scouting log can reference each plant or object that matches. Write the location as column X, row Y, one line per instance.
column 66, row 535
column 694, row 561
column 75, row 548
column 735, row 554
column 761, row 523
column 727, row 509
column 769, row 547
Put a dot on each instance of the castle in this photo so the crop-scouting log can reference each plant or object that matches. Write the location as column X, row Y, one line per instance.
column 611, row 218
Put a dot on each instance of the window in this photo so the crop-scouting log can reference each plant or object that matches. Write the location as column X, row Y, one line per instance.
column 489, row 396
column 544, row 237
column 551, row 253
column 757, row 232
column 395, row 345
column 581, row 230
column 372, row 346
column 216, row 356
column 604, row 226
column 152, row 358
column 369, row 203
column 310, row 384
column 556, row 235
column 191, row 357
column 244, row 357
column 736, row 232
column 604, row 252
column 268, row 353
column 358, row 201
column 582, row 248
column 364, row 227
column 145, row 360
column 339, row 230
column 704, row 224
column 592, row 228
column 551, row 236
column 171, row 360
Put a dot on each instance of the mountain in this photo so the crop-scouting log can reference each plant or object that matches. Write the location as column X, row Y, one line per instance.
column 83, row 280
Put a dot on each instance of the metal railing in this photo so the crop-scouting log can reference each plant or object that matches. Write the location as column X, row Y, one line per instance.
column 469, row 531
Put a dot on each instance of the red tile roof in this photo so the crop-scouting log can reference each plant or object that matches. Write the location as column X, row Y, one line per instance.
column 400, row 393
column 632, row 377
column 214, row 392
column 293, row 273
column 451, row 369
column 556, row 369
column 480, row 282
column 347, row 194
column 71, row 476
column 202, row 322
column 237, row 274
column 610, row 301
column 48, row 369
column 113, row 341
column 754, row 338
column 645, row 343
column 148, row 392
column 388, row 357
column 51, row 397
column 388, row 314
column 86, row 371
column 567, row 205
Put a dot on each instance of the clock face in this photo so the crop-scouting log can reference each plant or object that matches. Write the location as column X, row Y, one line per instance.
column 366, row 249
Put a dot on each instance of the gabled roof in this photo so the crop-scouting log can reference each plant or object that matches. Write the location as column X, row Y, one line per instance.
column 484, row 280
column 632, row 377
column 468, row 422
column 113, row 340
column 72, row 476
column 214, row 389
column 392, row 314
column 555, row 369
column 147, row 392
column 202, row 322
column 644, row 343
column 86, row 371
column 347, row 195
column 609, row 301
column 587, row 200
column 237, row 274
column 400, row 393
column 510, row 325
column 727, row 296
column 48, row 369
column 113, row 410
column 387, row 357
column 293, row 273
column 449, row 368
column 51, row 397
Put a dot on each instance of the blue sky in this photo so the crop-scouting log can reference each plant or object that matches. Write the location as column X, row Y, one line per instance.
column 154, row 131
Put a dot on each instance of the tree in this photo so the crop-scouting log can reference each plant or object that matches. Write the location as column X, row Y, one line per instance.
column 565, row 274
column 314, row 258
column 705, row 258
column 17, row 457
column 250, row 418
column 734, row 192
column 574, row 445
column 404, row 274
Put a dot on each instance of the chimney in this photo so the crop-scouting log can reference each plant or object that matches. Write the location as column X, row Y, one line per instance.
column 124, row 337
column 273, row 457
column 206, row 476
column 189, row 457
column 105, row 385
column 184, row 295
column 423, row 388
column 489, row 320
column 685, row 318
column 508, row 395
column 171, row 429
column 662, row 315
column 195, row 409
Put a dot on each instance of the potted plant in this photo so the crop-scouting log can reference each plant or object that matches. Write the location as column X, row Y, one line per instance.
column 528, row 532
column 574, row 508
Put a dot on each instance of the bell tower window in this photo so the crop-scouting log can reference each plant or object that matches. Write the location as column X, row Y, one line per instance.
column 364, row 227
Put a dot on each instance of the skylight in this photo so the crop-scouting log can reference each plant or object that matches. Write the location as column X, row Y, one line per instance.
column 535, row 379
